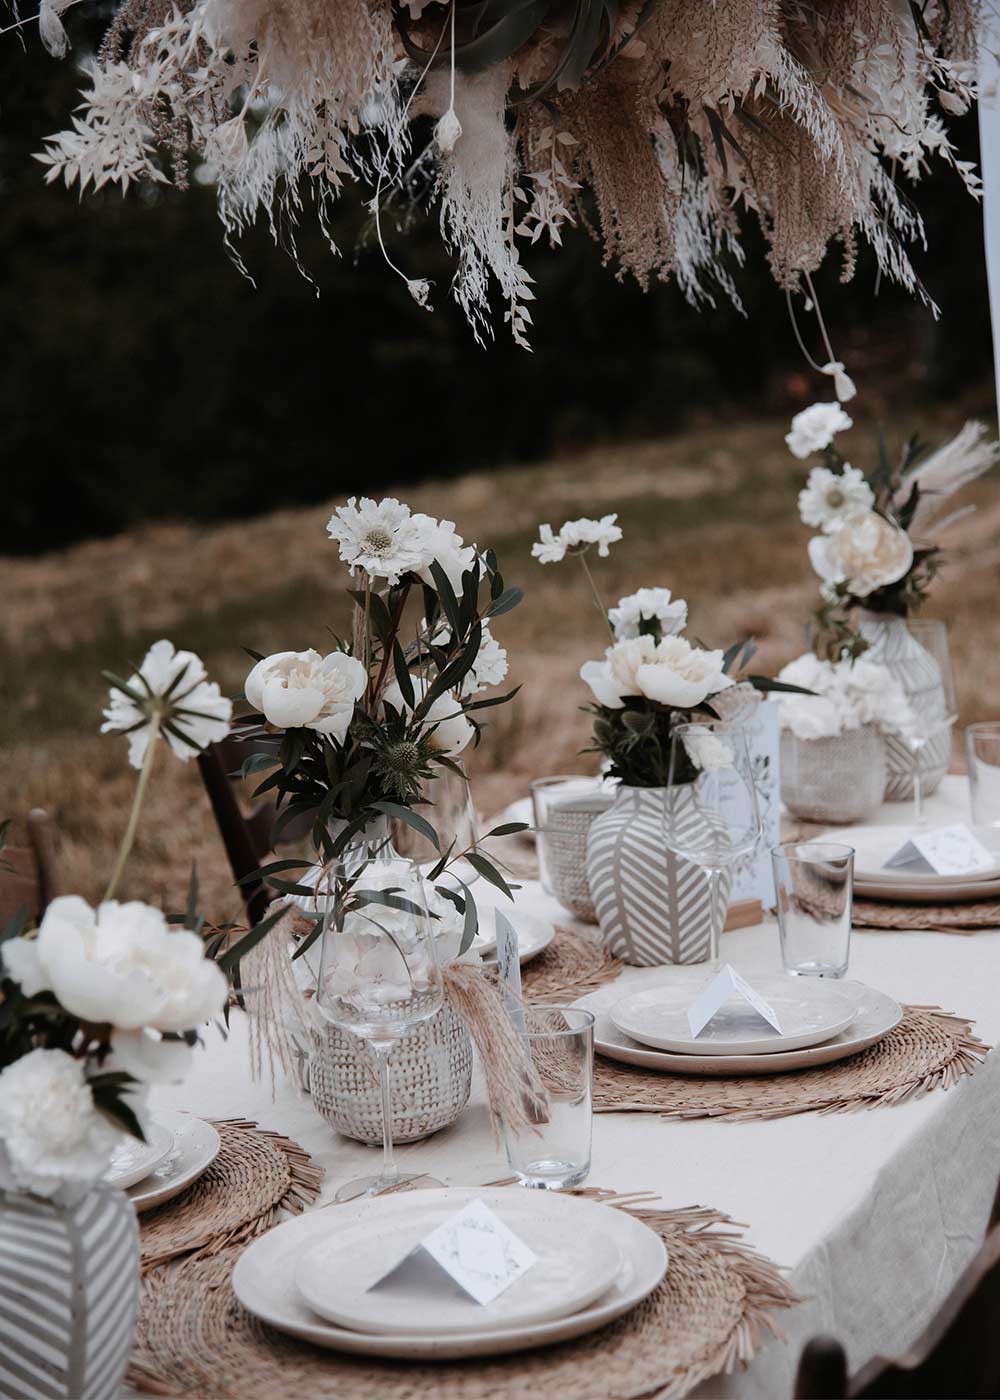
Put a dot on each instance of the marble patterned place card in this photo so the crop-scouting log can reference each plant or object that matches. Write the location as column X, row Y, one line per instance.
column 472, row 1249
column 509, row 968
column 727, row 984
column 947, row 850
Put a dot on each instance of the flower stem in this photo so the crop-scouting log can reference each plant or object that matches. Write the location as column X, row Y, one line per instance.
column 140, row 792
column 582, row 556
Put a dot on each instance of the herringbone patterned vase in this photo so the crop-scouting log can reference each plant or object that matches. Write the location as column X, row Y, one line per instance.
column 653, row 906
column 890, row 644
column 69, row 1293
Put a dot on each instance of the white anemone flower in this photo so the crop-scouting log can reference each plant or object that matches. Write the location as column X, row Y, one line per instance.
column 304, row 690
column 829, row 498
column 381, row 537
column 815, row 428
column 170, row 685
column 648, row 605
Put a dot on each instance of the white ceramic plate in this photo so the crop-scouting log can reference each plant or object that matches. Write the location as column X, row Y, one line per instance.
column 133, row 1160
column 928, row 894
column 875, row 1015
column 874, row 845
column 264, row 1282
column 195, row 1146
column 573, row 1267
column 533, row 936
column 809, row 1011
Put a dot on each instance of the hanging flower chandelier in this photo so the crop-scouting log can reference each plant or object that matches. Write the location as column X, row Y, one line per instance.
column 654, row 123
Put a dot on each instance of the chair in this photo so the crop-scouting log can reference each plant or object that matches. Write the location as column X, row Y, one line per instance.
column 957, row 1358
column 29, row 876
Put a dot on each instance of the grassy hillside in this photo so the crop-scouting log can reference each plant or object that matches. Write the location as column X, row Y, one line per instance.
column 710, row 514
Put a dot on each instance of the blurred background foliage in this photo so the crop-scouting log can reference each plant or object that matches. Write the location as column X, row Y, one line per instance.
column 146, row 378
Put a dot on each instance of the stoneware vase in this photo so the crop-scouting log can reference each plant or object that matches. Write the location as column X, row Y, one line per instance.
column 892, row 645
column 430, row 1073
column 836, row 779
column 69, row 1294
column 653, row 906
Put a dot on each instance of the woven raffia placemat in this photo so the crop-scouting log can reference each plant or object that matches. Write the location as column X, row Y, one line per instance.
column 572, row 964
column 708, row 1315
column 927, row 918
column 256, row 1175
column 929, row 1049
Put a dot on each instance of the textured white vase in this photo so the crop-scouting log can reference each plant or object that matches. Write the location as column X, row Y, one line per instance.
column 893, row 646
column 653, row 906
column 837, row 779
column 563, row 846
column 69, row 1294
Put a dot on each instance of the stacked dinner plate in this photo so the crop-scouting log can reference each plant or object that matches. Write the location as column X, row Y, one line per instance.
column 820, row 1022
column 334, row 1277
column 874, row 845
column 177, row 1149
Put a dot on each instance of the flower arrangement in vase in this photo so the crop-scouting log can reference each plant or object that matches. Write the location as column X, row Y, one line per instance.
column 877, row 557
column 650, row 680
column 95, row 1005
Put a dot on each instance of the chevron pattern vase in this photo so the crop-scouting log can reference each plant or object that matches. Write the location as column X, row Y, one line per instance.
column 69, row 1294
column 893, row 646
column 653, row 906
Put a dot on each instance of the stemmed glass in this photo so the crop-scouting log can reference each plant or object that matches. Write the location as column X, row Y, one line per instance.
column 711, row 815
column 379, row 974
column 934, row 713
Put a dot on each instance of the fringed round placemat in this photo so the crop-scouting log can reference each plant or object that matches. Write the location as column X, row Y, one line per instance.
column 256, row 1175
column 927, row 918
column 929, row 1049
column 707, row 1316
column 572, row 964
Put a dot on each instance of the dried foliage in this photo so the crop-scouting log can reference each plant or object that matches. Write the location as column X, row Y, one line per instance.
column 672, row 117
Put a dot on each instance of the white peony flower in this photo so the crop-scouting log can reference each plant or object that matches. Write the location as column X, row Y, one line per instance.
column 707, row 751
column 574, row 534
column 447, row 548
column 303, row 690
column 829, row 498
column 867, row 552
column 815, row 427
column 51, row 1135
column 121, row 964
column 648, row 605
column 452, row 732
column 671, row 672
column 193, row 712
column 381, row 537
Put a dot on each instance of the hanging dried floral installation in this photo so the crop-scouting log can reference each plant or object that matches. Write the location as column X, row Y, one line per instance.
column 652, row 122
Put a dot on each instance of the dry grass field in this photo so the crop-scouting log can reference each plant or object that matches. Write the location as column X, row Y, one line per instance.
column 710, row 514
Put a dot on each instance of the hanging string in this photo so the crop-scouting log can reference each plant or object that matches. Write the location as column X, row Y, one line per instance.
column 834, row 368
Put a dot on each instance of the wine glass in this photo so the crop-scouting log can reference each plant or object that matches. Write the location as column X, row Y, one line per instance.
column 711, row 815
column 934, row 708
column 379, row 974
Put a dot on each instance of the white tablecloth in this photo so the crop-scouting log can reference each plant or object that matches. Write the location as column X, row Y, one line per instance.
column 874, row 1214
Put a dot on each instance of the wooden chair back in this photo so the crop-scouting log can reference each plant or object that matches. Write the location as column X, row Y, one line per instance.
column 29, row 875
column 957, row 1358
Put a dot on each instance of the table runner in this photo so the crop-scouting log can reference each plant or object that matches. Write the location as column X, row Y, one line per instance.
column 708, row 1316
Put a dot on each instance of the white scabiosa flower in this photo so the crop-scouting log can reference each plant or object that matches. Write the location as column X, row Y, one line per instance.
column 575, row 536
column 171, row 685
column 829, row 498
column 304, row 690
column 815, row 428
column 549, row 548
column 382, row 537
column 649, row 605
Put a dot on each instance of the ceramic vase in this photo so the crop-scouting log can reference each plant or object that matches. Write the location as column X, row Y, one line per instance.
column 653, row 906
column 69, row 1294
column 563, row 850
column 892, row 645
column 837, row 779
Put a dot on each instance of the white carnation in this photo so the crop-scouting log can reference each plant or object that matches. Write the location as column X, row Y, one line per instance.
column 648, row 605
column 51, row 1135
column 846, row 695
column 829, row 498
column 302, row 689
column 381, row 537
column 172, row 684
column 815, row 427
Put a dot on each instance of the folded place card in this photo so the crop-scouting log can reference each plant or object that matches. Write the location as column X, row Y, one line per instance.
column 947, row 850
column 509, row 968
column 472, row 1249
column 728, row 984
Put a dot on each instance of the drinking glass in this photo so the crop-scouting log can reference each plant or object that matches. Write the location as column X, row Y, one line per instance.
column 982, row 759
column 378, row 973
column 933, row 714
column 711, row 815
column 814, row 881
column 453, row 817
column 553, row 1151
